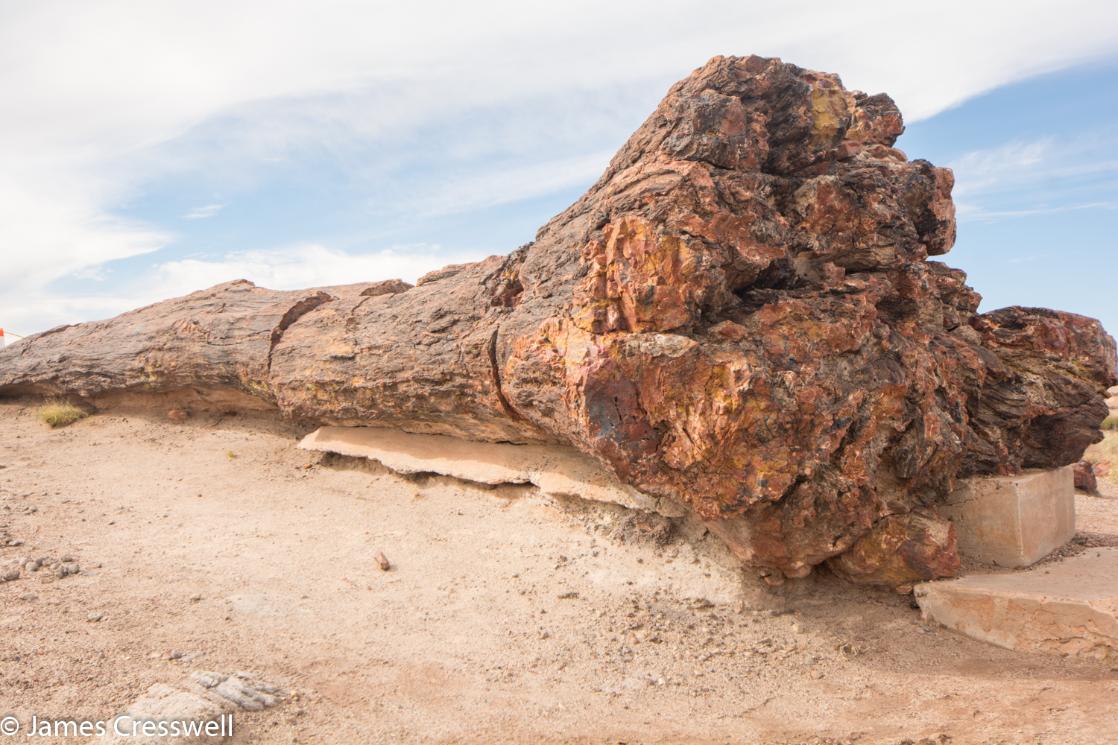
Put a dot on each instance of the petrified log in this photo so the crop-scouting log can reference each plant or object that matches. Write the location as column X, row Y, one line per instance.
column 739, row 315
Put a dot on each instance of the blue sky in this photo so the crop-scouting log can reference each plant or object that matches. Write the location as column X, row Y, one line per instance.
column 1036, row 167
column 159, row 148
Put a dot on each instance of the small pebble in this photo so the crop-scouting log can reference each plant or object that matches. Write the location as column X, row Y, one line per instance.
column 66, row 568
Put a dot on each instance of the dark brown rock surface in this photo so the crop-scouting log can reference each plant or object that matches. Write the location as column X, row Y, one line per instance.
column 1085, row 479
column 739, row 314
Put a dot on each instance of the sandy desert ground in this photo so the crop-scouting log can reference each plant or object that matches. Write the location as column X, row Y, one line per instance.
column 214, row 544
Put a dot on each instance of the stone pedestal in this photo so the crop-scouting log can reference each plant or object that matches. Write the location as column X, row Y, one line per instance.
column 1013, row 521
column 1068, row 607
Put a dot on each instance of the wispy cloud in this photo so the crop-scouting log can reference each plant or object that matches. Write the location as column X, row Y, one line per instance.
column 1004, row 166
column 971, row 211
column 282, row 268
column 301, row 265
column 106, row 101
column 504, row 185
column 204, row 212
column 1049, row 175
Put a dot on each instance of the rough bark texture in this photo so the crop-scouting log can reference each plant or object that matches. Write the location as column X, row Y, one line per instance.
column 739, row 315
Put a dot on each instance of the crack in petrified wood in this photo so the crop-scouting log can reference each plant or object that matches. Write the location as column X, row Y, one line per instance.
column 293, row 314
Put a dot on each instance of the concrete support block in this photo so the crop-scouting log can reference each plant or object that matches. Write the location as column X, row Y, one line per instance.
column 1069, row 607
column 1013, row 521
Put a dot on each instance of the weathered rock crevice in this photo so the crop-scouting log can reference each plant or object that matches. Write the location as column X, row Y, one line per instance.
column 495, row 368
column 293, row 314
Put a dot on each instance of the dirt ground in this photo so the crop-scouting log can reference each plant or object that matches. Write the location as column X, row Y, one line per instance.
column 214, row 544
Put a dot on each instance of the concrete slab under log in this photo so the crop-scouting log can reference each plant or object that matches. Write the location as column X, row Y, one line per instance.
column 1069, row 607
column 1013, row 521
column 555, row 469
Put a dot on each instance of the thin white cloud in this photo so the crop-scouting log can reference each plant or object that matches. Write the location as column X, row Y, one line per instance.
column 1048, row 175
column 298, row 266
column 30, row 311
column 505, row 185
column 978, row 213
column 204, row 212
column 95, row 94
column 284, row 268
column 981, row 170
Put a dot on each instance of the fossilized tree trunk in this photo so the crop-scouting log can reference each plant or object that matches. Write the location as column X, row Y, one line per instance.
column 739, row 315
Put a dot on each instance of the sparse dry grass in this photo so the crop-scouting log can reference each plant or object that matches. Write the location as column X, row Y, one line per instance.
column 1105, row 454
column 1110, row 423
column 60, row 413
